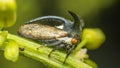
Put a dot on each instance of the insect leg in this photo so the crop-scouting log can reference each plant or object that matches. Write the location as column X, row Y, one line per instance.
column 68, row 50
column 55, row 48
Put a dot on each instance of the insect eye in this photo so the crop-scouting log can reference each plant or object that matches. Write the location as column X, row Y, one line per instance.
column 74, row 41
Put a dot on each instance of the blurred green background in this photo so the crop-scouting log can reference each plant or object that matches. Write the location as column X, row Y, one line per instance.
column 103, row 14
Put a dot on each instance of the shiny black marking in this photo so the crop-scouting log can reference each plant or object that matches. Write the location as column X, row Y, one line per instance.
column 21, row 48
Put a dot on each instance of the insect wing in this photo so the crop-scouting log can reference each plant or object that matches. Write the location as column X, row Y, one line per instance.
column 41, row 32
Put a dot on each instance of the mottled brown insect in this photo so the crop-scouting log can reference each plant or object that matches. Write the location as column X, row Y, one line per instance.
column 41, row 32
column 44, row 29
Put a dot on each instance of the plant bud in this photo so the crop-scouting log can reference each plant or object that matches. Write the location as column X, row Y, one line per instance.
column 95, row 37
column 7, row 13
column 11, row 51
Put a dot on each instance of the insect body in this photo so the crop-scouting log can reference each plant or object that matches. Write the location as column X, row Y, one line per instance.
column 68, row 37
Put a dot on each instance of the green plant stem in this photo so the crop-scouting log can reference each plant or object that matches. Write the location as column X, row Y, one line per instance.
column 80, row 45
column 39, row 52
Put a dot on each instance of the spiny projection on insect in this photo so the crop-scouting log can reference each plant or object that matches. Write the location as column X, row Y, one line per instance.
column 44, row 29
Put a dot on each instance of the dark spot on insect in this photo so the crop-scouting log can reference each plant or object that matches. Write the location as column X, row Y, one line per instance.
column 21, row 48
column 48, row 33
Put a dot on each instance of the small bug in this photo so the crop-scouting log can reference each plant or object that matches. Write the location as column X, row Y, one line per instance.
column 43, row 28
